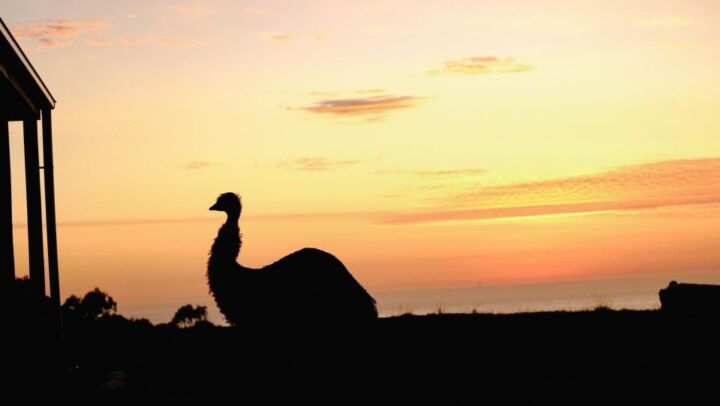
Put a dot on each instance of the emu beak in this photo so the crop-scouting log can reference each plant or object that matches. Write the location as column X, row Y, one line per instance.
column 215, row 207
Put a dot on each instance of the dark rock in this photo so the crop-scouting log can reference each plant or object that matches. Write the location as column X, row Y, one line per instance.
column 690, row 298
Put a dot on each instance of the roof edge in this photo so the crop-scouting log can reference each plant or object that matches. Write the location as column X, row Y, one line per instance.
column 5, row 31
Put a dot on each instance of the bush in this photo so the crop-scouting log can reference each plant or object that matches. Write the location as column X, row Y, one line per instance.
column 189, row 316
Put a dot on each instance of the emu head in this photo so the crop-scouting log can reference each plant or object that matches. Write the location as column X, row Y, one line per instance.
column 229, row 203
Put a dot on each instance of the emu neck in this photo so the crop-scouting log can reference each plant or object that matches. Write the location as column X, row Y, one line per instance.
column 222, row 269
column 227, row 244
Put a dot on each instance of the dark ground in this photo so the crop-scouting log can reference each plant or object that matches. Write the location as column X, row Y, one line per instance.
column 601, row 356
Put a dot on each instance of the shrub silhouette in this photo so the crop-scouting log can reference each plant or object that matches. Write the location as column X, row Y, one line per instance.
column 94, row 305
column 189, row 316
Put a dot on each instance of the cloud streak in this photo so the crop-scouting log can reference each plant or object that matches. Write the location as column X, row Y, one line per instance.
column 443, row 173
column 481, row 65
column 652, row 180
column 61, row 33
column 543, row 210
column 635, row 187
column 362, row 106
column 315, row 164
column 58, row 33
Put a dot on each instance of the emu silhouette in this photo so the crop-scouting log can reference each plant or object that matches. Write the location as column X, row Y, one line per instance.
column 306, row 285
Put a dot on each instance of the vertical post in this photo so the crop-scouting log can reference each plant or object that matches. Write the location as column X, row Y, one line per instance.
column 7, row 251
column 50, row 207
column 34, row 208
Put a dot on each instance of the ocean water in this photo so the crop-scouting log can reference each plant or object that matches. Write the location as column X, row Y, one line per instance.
column 537, row 297
column 638, row 293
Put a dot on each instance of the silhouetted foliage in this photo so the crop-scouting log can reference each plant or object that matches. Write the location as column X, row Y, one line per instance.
column 98, row 303
column 72, row 304
column 95, row 304
column 189, row 316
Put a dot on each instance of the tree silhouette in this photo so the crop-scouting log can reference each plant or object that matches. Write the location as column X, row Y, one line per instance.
column 94, row 305
column 189, row 316
column 72, row 304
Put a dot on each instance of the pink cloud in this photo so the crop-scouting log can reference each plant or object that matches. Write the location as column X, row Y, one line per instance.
column 362, row 106
column 57, row 33
column 438, row 173
column 315, row 164
column 543, row 210
column 634, row 187
column 482, row 65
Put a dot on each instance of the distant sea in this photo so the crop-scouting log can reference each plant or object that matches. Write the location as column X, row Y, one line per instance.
column 639, row 293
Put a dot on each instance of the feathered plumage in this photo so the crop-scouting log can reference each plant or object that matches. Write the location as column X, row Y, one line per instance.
column 309, row 284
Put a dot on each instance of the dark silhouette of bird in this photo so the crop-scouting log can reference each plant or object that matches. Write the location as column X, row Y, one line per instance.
column 306, row 285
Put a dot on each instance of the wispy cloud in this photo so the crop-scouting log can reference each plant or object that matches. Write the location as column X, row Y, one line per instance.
column 635, row 187
column 542, row 210
column 191, row 10
column 481, row 65
column 169, row 42
column 315, row 164
column 195, row 165
column 58, row 33
column 444, row 173
column 643, row 181
column 370, row 107
column 287, row 37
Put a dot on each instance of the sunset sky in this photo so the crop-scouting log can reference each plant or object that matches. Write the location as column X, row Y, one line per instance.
column 424, row 143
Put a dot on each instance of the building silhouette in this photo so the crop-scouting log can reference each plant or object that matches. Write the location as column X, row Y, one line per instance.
column 24, row 97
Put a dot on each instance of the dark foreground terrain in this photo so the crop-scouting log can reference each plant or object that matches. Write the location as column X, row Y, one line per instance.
column 601, row 356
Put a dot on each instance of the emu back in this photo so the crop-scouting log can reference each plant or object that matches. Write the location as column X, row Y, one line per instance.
column 306, row 285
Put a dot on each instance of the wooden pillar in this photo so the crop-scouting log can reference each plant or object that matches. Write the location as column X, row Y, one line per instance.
column 34, row 207
column 50, row 207
column 7, row 251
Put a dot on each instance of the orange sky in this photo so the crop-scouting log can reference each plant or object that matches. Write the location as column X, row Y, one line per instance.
column 424, row 143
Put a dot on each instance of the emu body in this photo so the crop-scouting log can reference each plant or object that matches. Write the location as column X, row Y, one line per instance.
column 308, row 284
